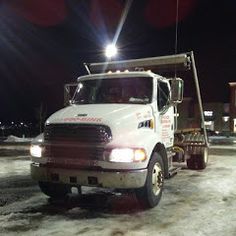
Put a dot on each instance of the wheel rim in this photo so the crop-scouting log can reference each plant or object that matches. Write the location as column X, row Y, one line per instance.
column 157, row 179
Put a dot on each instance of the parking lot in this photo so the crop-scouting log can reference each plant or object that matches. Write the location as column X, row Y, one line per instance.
column 193, row 203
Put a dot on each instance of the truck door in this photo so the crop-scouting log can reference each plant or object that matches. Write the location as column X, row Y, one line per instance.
column 166, row 113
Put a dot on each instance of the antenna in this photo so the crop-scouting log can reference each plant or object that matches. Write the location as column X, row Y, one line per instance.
column 176, row 29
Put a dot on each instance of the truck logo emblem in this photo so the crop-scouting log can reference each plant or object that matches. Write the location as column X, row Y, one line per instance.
column 81, row 114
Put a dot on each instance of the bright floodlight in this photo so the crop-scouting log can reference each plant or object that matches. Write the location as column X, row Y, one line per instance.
column 111, row 50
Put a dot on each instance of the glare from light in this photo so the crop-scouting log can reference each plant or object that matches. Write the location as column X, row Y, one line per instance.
column 36, row 151
column 225, row 118
column 110, row 51
column 122, row 155
column 127, row 155
column 139, row 155
column 208, row 113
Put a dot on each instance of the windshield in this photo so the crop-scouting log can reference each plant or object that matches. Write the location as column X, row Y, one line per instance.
column 132, row 90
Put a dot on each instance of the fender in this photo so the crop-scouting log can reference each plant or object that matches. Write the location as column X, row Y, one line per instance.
column 160, row 148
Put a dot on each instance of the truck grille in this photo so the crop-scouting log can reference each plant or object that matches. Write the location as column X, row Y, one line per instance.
column 71, row 144
column 56, row 152
column 77, row 133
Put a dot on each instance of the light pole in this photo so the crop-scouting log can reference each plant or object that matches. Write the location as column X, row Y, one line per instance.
column 2, row 128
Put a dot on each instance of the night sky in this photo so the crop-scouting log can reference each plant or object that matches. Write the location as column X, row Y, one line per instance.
column 43, row 44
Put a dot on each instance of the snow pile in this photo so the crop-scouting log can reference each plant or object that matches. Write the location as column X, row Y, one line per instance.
column 12, row 138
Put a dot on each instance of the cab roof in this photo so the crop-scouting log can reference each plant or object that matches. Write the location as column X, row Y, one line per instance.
column 118, row 74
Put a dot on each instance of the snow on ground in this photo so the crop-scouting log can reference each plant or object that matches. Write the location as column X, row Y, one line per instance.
column 14, row 166
column 196, row 203
column 222, row 139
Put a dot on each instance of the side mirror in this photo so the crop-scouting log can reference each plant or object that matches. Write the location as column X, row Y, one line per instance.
column 177, row 90
column 69, row 91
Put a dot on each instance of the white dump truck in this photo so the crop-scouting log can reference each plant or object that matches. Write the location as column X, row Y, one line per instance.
column 120, row 131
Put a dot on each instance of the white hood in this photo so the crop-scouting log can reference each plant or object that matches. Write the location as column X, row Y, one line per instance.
column 101, row 113
column 123, row 119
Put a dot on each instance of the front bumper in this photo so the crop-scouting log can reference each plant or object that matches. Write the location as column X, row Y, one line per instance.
column 106, row 179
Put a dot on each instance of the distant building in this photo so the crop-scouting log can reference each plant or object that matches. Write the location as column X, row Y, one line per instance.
column 232, row 106
column 216, row 115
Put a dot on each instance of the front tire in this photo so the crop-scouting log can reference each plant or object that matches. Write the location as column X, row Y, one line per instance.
column 150, row 194
column 54, row 190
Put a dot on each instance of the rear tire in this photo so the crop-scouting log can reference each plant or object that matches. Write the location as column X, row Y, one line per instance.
column 150, row 195
column 198, row 161
column 54, row 190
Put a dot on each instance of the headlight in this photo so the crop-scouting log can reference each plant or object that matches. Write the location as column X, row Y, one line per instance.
column 36, row 150
column 127, row 155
